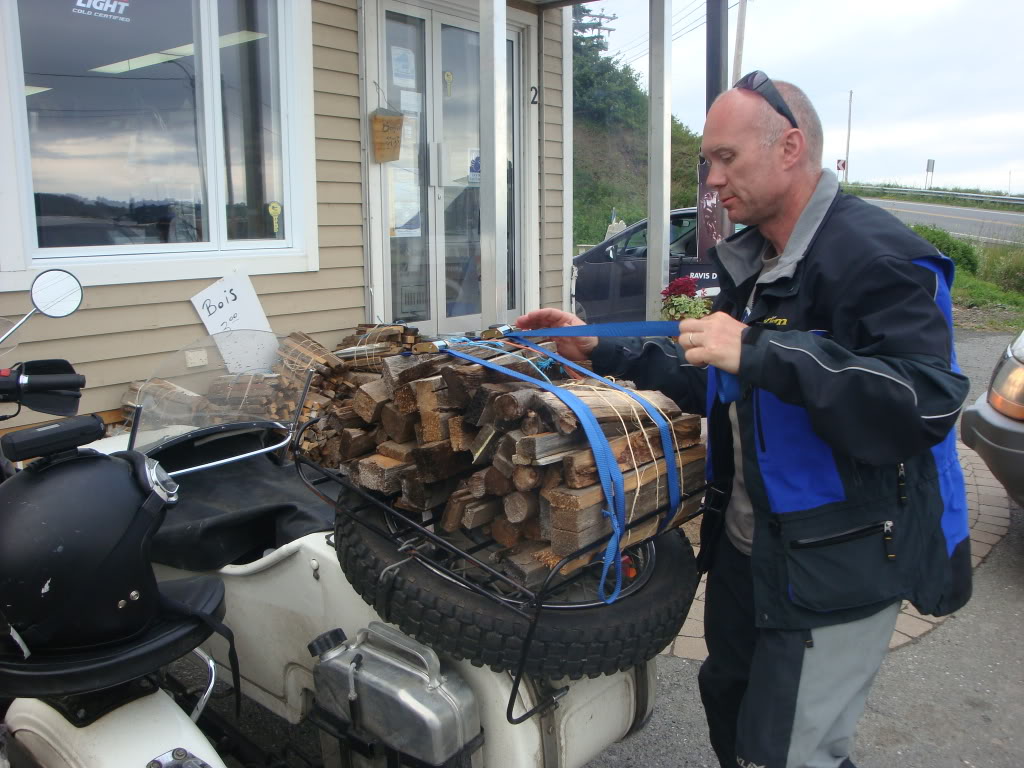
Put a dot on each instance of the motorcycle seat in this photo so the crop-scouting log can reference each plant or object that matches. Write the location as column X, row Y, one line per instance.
column 63, row 673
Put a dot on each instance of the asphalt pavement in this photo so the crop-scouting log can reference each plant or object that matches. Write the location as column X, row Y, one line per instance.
column 990, row 226
column 951, row 698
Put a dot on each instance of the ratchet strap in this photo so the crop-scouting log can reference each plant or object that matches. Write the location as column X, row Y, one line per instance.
column 609, row 473
column 607, row 468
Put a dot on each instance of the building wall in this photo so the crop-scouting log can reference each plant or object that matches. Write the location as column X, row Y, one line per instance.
column 552, row 152
column 122, row 331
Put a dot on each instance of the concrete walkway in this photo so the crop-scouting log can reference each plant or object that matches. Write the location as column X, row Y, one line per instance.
column 989, row 509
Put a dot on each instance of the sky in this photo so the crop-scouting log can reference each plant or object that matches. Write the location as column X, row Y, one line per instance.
column 931, row 79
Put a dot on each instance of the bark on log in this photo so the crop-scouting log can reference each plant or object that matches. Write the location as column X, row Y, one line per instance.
column 637, row 448
column 354, row 442
column 577, row 499
column 434, row 425
column 369, row 401
column 437, row 461
column 399, row 426
column 480, row 511
column 397, row 451
column 451, row 519
column 527, row 478
column 521, row 506
column 379, row 473
column 423, row 496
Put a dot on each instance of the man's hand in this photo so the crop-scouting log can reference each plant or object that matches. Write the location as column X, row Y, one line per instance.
column 712, row 340
column 575, row 348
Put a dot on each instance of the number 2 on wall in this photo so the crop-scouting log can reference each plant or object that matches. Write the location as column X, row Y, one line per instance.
column 533, row 94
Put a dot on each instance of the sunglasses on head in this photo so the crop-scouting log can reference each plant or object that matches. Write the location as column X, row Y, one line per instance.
column 759, row 82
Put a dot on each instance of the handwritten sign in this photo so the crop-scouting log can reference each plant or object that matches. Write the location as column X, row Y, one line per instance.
column 231, row 304
column 386, row 127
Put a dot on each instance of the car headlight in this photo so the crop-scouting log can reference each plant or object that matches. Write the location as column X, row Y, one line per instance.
column 1006, row 392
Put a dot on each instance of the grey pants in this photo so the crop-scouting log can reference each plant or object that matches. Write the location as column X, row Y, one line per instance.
column 783, row 699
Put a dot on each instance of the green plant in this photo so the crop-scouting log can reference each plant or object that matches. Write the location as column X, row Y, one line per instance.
column 680, row 300
column 1003, row 264
column 963, row 253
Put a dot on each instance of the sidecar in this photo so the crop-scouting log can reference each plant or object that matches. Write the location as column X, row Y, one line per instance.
column 400, row 641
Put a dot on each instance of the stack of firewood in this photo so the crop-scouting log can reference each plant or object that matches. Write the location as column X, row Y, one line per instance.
column 486, row 452
column 477, row 449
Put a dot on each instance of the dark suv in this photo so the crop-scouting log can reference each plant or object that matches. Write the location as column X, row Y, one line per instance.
column 610, row 278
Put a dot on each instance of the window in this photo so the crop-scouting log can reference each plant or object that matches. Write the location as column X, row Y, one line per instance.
column 161, row 128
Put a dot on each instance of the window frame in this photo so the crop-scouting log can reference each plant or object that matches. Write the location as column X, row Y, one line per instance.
column 20, row 257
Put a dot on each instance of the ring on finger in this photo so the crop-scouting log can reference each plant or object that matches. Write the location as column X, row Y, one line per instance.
column 689, row 338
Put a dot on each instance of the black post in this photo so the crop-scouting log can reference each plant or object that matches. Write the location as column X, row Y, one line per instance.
column 717, row 49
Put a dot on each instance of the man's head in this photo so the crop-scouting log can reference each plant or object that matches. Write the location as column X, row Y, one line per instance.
column 763, row 167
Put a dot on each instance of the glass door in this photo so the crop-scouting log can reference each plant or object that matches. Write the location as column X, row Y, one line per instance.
column 433, row 189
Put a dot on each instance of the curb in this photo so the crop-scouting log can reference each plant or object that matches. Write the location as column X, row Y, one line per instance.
column 988, row 509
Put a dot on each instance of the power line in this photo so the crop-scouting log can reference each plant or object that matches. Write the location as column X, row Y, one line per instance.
column 642, row 39
column 696, row 25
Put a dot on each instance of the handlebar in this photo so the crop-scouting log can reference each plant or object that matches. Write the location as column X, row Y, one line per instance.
column 48, row 386
column 51, row 382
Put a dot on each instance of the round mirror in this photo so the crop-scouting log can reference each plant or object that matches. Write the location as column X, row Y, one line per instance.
column 56, row 293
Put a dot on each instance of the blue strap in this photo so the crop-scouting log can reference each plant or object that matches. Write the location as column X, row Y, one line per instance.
column 652, row 328
column 607, row 468
column 729, row 385
column 667, row 444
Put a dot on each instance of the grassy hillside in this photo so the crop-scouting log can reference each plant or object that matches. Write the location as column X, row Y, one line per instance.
column 610, row 144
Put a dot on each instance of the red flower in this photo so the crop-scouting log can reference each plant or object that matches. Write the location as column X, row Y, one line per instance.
column 681, row 286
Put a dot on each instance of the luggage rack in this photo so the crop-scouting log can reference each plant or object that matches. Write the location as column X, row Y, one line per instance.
column 412, row 537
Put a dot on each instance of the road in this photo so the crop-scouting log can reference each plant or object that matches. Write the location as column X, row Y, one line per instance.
column 989, row 226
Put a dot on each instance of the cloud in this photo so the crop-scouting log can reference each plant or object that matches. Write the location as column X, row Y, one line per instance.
column 933, row 79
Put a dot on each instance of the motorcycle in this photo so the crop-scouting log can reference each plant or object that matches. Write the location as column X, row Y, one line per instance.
column 401, row 645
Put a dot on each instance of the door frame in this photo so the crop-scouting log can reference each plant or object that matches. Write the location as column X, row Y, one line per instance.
column 375, row 238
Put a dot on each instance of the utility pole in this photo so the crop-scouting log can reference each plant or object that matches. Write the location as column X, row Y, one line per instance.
column 717, row 50
column 849, row 122
column 737, row 56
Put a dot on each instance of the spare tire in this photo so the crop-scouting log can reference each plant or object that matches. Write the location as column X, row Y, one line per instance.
column 569, row 642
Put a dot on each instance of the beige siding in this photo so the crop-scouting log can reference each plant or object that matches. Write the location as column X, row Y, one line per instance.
column 551, row 182
column 122, row 331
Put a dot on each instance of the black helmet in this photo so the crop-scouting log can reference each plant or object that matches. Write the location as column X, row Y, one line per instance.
column 75, row 533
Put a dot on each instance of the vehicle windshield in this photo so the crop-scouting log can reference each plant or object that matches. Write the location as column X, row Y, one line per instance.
column 239, row 378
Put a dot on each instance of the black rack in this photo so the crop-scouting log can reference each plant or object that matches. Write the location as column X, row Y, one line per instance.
column 410, row 537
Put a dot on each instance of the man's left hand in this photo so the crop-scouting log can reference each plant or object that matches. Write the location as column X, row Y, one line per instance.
column 712, row 340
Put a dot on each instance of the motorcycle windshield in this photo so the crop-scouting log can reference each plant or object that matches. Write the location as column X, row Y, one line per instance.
column 235, row 379
column 8, row 345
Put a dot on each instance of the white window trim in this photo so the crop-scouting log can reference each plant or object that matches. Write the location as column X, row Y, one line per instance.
column 21, row 260
column 376, row 249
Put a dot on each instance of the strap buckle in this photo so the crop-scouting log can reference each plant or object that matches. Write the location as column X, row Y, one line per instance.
column 715, row 499
column 498, row 331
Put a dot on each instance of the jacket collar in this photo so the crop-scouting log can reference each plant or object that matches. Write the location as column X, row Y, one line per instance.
column 740, row 255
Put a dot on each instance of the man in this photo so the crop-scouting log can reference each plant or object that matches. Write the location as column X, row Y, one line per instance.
column 828, row 377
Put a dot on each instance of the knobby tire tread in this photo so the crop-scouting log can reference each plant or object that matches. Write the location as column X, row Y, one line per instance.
column 575, row 643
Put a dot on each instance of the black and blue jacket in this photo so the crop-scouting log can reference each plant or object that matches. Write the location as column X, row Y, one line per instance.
column 847, row 403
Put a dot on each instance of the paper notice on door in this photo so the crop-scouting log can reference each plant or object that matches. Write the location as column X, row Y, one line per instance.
column 405, row 202
column 473, row 176
column 403, row 67
column 412, row 102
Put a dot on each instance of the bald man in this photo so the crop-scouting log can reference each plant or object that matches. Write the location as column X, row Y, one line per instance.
column 829, row 380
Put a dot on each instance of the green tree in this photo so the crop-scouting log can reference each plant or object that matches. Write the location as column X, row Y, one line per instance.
column 610, row 140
